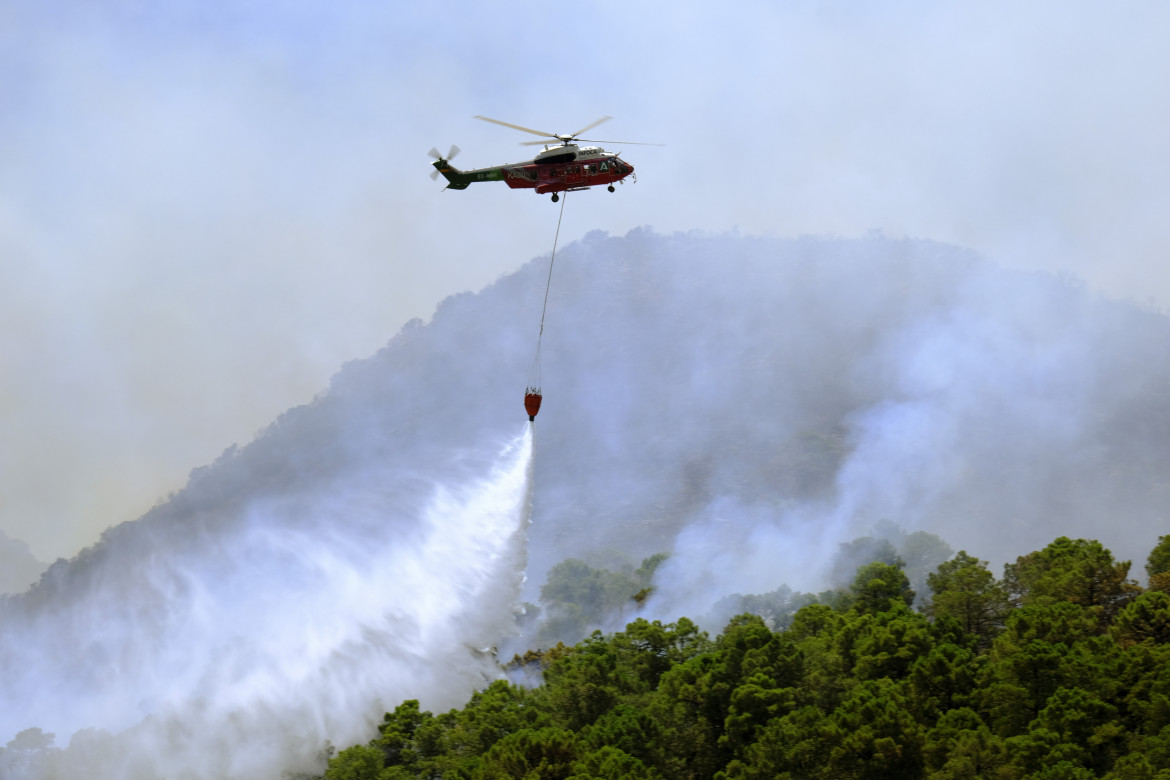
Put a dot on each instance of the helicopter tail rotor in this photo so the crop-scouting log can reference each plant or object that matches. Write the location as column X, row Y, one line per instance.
column 451, row 154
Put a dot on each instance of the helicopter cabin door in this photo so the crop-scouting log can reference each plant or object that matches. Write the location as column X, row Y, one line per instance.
column 573, row 174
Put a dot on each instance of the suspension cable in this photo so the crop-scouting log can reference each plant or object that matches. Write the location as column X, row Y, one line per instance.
column 553, row 259
column 535, row 373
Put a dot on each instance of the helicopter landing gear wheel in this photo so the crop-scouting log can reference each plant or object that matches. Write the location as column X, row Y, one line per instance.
column 555, row 197
column 610, row 188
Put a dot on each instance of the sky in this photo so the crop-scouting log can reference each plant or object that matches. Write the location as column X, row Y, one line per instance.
column 206, row 208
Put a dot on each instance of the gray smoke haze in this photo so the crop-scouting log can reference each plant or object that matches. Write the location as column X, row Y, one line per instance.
column 18, row 567
column 997, row 410
column 746, row 404
column 206, row 207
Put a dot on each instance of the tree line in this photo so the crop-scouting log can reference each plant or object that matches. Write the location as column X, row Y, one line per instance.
column 1059, row 669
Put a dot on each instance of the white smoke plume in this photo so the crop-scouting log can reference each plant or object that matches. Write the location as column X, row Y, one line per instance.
column 997, row 410
column 747, row 404
column 240, row 649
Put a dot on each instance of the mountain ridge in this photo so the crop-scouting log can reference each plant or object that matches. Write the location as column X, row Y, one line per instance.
column 745, row 404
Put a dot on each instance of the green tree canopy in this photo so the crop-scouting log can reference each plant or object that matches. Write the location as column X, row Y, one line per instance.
column 1146, row 618
column 965, row 589
column 1080, row 571
column 863, row 687
column 878, row 585
column 1158, row 565
column 578, row 597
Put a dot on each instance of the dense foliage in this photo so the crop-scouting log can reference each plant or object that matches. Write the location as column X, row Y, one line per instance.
column 1060, row 670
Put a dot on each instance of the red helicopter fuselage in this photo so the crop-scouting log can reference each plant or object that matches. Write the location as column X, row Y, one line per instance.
column 556, row 169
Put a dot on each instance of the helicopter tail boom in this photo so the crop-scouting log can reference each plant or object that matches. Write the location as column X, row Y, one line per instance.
column 456, row 179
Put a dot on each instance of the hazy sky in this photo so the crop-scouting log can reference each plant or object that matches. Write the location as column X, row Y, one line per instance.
column 206, row 207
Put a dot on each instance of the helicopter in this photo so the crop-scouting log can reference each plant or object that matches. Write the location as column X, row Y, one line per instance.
column 563, row 166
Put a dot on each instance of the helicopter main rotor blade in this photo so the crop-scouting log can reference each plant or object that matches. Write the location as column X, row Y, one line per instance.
column 627, row 143
column 518, row 127
column 590, row 141
column 586, row 128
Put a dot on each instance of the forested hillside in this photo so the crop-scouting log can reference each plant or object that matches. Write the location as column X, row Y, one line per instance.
column 721, row 414
column 1058, row 670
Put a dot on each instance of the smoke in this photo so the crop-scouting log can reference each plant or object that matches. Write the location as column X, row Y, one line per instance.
column 746, row 404
column 18, row 567
column 792, row 395
column 238, row 645
column 206, row 207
